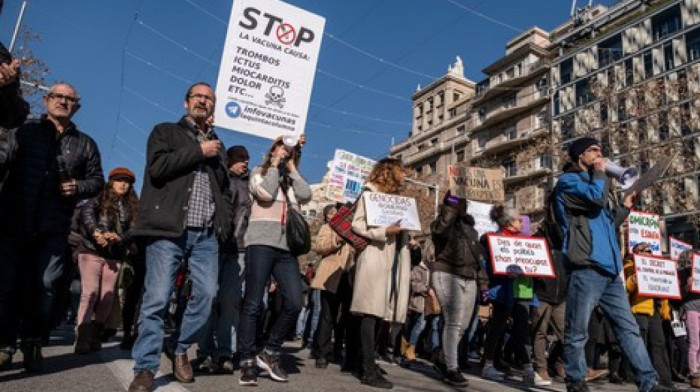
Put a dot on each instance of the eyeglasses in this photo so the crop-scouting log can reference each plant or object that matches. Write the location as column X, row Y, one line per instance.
column 59, row 96
column 200, row 97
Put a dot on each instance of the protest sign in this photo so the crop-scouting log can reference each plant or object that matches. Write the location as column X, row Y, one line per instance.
column 476, row 183
column 695, row 273
column 644, row 227
column 384, row 210
column 347, row 175
column 677, row 247
column 512, row 255
column 482, row 219
column 267, row 68
column 657, row 277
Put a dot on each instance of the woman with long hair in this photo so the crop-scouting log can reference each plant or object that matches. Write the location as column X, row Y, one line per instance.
column 276, row 186
column 383, row 270
column 106, row 222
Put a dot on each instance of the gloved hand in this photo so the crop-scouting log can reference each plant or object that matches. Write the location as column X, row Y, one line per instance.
column 457, row 202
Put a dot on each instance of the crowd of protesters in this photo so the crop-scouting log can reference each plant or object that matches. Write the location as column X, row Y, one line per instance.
column 204, row 257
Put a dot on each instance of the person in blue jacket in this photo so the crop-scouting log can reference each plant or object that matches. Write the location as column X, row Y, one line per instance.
column 592, row 254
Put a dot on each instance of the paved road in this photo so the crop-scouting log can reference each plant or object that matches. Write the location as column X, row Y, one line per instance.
column 110, row 370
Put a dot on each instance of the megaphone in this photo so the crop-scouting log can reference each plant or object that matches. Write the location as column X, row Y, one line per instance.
column 626, row 176
column 290, row 140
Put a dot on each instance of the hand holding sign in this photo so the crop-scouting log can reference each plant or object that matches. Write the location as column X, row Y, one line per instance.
column 520, row 256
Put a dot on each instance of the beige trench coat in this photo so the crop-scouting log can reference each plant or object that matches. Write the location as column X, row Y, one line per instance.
column 336, row 260
column 372, row 292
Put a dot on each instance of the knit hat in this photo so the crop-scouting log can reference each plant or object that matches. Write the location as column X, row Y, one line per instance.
column 237, row 154
column 580, row 145
column 122, row 173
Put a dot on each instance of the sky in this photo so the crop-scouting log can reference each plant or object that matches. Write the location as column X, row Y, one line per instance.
column 133, row 60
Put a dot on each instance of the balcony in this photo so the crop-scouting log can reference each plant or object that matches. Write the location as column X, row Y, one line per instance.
column 537, row 68
column 425, row 153
column 501, row 143
column 503, row 113
column 525, row 175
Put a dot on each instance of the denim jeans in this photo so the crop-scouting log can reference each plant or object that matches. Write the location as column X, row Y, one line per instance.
column 224, row 318
column 457, row 297
column 262, row 262
column 435, row 327
column 414, row 327
column 31, row 268
column 163, row 258
column 312, row 311
column 587, row 287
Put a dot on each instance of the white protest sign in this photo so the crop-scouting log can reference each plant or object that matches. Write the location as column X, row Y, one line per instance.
column 677, row 247
column 347, row 175
column 384, row 210
column 695, row 273
column 482, row 218
column 520, row 256
column 656, row 277
column 644, row 227
column 267, row 68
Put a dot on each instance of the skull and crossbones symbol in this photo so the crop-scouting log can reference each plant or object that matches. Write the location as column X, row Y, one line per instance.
column 275, row 96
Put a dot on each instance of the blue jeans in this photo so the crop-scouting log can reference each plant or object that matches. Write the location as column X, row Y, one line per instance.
column 415, row 326
column 586, row 288
column 224, row 318
column 314, row 310
column 261, row 263
column 163, row 257
column 31, row 268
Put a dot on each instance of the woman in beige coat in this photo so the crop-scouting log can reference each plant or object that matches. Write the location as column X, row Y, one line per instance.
column 383, row 270
column 333, row 281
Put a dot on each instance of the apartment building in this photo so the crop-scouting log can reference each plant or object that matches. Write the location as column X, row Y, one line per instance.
column 628, row 75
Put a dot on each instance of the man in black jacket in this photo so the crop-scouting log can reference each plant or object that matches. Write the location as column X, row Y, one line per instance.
column 49, row 165
column 185, row 207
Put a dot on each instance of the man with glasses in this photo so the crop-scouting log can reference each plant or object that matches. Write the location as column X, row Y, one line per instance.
column 49, row 166
column 185, row 212
column 592, row 253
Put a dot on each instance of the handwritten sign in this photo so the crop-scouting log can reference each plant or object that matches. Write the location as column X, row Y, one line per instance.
column 384, row 210
column 695, row 273
column 678, row 247
column 347, row 175
column 520, row 256
column 476, row 183
column 482, row 220
column 657, row 277
column 267, row 68
column 644, row 227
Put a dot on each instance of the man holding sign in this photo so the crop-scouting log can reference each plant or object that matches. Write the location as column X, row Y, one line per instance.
column 593, row 254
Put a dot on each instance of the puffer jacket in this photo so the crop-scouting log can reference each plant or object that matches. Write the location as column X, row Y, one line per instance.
column 590, row 225
column 92, row 219
column 30, row 201
column 457, row 248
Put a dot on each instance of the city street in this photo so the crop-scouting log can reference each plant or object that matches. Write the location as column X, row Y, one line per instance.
column 110, row 371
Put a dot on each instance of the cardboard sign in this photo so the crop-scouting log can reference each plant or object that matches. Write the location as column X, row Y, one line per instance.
column 347, row 175
column 695, row 273
column 385, row 209
column 520, row 256
column 482, row 220
column 677, row 247
column 267, row 68
column 644, row 227
column 657, row 277
column 477, row 184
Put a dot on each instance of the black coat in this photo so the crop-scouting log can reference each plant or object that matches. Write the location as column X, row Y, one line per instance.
column 13, row 108
column 173, row 155
column 30, row 201
column 242, row 201
column 92, row 219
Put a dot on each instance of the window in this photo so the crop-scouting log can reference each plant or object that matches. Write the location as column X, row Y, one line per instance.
column 511, row 168
column 455, row 97
column 509, row 101
column 460, row 156
column 511, row 133
column 692, row 44
column 461, row 129
column 629, row 72
column 610, row 50
column 621, row 107
column 556, row 103
column 567, row 126
column 664, row 133
column 642, row 130
column 545, row 161
column 482, row 142
column 441, row 98
column 583, row 92
column 603, row 113
column 453, row 113
column 422, row 147
column 685, row 119
column 648, row 64
column 312, row 213
column 432, row 167
column 665, row 23
column 481, row 87
column 566, row 70
column 434, row 141
column 510, row 73
column 668, row 56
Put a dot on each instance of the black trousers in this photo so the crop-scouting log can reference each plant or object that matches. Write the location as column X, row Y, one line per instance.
column 368, row 332
column 652, row 333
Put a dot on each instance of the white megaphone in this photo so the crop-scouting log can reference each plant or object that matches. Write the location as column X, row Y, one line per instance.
column 626, row 176
column 290, row 140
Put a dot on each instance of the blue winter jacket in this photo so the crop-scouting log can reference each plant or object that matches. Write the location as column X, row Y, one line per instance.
column 590, row 225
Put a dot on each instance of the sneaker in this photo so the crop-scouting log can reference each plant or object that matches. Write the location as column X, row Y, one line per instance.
column 271, row 364
column 225, row 366
column 456, row 378
column 205, row 366
column 579, row 386
column 542, row 380
column 374, row 379
column 249, row 374
column 595, row 374
column 665, row 388
column 491, row 373
column 441, row 369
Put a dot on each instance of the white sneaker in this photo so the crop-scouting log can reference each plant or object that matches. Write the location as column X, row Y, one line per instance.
column 490, row 372
column 541, row 382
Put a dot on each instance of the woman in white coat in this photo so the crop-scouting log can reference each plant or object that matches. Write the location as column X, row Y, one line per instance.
column 383, row 270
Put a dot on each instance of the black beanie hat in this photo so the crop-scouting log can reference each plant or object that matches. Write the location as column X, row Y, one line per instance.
column 237, row 154
column 580, row 145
